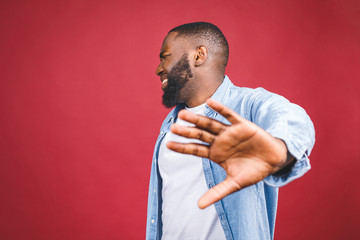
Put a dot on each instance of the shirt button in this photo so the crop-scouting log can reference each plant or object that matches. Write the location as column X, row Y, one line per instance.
column 162, row 133
column 154, row 189
column 152, row 220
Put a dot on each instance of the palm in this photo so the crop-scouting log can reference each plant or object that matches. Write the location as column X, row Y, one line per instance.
column 246, row 152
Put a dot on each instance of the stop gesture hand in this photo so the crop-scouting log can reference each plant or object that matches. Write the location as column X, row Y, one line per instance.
column 246, row 152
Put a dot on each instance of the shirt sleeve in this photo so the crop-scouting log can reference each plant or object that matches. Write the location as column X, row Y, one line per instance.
column 288, row 122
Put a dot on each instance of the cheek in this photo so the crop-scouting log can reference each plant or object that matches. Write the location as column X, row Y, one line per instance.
column 168, row 65
column 170, row 62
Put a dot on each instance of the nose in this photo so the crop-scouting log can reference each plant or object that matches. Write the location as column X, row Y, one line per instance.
column 159, row 69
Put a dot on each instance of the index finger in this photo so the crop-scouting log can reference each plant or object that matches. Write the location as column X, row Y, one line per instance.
column 226, row 112
column 202, row 122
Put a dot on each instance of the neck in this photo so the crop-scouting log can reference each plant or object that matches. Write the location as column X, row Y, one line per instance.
column 207, row 87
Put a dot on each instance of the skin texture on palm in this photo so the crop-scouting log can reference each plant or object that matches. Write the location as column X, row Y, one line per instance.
column 246, row 152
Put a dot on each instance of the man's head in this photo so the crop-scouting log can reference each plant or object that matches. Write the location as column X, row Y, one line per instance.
column 203, row 33
column 191, row 57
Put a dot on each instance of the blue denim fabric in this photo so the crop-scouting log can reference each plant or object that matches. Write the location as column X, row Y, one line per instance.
column 251, row 212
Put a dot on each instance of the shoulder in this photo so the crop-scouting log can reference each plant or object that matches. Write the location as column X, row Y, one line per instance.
column 253, row 94
column 245, row 101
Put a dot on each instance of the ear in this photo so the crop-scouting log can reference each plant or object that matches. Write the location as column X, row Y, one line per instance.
column 201, row 55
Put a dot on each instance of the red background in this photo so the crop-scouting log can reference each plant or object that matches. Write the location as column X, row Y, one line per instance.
column 80, row 108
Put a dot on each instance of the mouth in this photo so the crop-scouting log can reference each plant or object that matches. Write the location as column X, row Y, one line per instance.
column 164, row 84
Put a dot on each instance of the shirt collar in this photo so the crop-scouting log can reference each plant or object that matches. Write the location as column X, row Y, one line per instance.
column 219, row 95
column 220, row 92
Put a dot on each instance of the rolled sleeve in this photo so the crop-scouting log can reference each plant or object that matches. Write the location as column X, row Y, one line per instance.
column 290, row 123
column 301, row 166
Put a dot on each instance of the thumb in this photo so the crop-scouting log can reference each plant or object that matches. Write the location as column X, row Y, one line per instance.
column 218, row 192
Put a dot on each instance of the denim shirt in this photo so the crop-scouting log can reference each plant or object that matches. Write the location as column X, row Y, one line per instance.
column 249, row 213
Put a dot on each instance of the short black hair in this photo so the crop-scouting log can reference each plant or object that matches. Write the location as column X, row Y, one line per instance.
column 207, row 33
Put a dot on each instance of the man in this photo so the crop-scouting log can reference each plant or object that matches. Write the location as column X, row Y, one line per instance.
column 231, row 149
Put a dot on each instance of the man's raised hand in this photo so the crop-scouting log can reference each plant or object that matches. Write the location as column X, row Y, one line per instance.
column 246, row 152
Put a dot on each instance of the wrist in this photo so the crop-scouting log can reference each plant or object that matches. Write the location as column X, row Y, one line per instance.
column 286, row 161
column 284, row 156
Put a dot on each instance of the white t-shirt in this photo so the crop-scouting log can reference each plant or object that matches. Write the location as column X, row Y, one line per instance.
column 183, row 184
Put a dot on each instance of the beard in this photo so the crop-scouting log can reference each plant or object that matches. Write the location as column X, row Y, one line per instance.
column 178, row 77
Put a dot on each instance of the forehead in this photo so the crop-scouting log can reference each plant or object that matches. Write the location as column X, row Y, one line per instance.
column 171, row 43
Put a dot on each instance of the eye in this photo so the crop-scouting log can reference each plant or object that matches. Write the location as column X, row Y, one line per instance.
column 166, row 55
column 163, row 56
